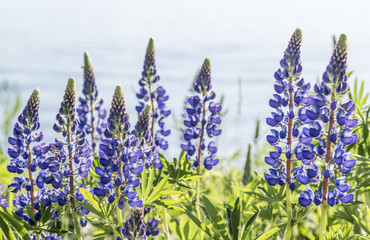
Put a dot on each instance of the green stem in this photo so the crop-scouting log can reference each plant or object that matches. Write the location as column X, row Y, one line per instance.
column 289, row 228
column 197, row 208
column 76, row 226
column 119, row 215
column 65, row 223
column 324, row 212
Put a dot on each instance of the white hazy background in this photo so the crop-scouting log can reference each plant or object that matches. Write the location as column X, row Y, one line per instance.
column 42, row 44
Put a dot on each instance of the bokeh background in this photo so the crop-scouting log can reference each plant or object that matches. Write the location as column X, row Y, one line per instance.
column 42, row 44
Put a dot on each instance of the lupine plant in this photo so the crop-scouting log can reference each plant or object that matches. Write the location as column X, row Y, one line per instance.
column 322, row 122
column 155, row 95
column 198, row 124
column 91, row 114
column 103, row 179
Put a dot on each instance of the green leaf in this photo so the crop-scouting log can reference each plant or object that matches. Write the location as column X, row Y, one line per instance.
column 201, row 225
column 361, row 225
column 270, row 232
column 47, row 214
column 149, row 185
column 214, row 216
column 16, row 225
column 56, row 230
column 250, row 222
column 5, row 231
column 93, row 210
column 155, row 194
column 228, row 218
column 235, row 219
column 89, row 197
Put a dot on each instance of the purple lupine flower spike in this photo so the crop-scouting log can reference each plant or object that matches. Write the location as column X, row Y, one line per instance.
column 68, row 157
column 155, row 95
column 91, row 114
column 198, row 124
column 142, row 132
column 26, row 153
column 328, row 108
column 289, row 103
column 120, row 157
column 134, row 227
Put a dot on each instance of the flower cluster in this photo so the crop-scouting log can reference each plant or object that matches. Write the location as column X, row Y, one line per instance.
column 68, row 157
column 289, row 102
column 136, row 228
column 26, row 153
column 151, row 92
column 91, row 106
column 142, row 132
column 309, row 125
column 120, row 157
column 330, row 124
column 198, row 125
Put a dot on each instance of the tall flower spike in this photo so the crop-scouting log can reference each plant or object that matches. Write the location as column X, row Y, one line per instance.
column 289, row 104
column 120, row 157
column 68, row 158
column 142, row 132
column 198, row 124
column 91, row 114
column 26, row 154
column 155, row 95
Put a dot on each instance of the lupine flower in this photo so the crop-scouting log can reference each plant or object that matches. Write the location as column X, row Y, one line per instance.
column 49, row 236
column 152, row 227
column 3, row 201
column 91, row 114
column 330, row 123
column 68, row 157
column 26, row 153
column 155, row 95
column 142, row 132
column 290, row 103
column 198, row 124
column 134, row 227
column 120, row 157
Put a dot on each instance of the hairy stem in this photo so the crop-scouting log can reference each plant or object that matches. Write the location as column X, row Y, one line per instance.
column 71, row 185
column 118, row 188
column 324, row 212
column 325, row 186
column 152, row 104
column 288, row 172
column 30, row 176
column 201, row 136
column 289, row 228
column 92, row 129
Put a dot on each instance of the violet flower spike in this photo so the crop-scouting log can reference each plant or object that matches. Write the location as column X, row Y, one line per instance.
column 328, row 107
column 202, row 120
column 155, row 95
column 27, row 152
column 91, row 114
column 142, row 132
column 120, row 157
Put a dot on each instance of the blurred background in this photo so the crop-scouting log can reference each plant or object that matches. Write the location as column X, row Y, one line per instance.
column 42, row 44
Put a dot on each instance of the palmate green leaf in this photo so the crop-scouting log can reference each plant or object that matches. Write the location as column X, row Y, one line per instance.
column 214, row 216
column 271, row 232
column 5, row 231
column 156, row 193
column 16, row 225
column 249, row 224
column 201, row 225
